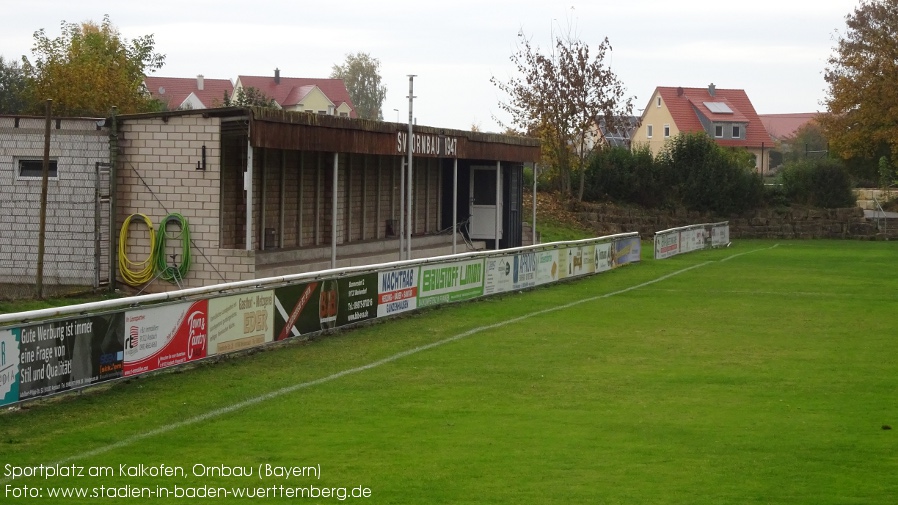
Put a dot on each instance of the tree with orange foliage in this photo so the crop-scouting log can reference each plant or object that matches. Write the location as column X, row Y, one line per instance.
column 89, row 69
column 863, row 97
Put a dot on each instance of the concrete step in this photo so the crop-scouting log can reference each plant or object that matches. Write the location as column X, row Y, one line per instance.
column 296, row 267
column 371, row 247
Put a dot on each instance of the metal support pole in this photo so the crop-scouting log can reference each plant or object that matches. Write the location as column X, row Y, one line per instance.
column 263, row 215
column 283, row 197
column 248, row 187
column 498, row 201
column 402, row 210
column 535, row 169
column 334, row 213
column 454, row 205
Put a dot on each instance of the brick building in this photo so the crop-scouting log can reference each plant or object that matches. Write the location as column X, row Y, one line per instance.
column 76, row 245
column 268, row 192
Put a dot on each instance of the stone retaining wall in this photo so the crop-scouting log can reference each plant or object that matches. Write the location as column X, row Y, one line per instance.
column 781, row 223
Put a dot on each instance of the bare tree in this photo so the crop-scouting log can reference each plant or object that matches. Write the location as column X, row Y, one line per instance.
column 560, row 96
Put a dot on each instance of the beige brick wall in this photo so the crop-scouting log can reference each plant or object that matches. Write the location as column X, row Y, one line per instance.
column 157, row 175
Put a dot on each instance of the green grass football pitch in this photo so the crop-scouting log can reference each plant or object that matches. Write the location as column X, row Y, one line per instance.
column 761, row 373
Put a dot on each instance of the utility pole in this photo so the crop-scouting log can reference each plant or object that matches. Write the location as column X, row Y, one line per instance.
column 409, row 144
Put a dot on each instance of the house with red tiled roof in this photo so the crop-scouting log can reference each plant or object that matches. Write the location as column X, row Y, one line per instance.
column 185, row 93
column 320, row 96
column 785, row 126
column 726, row 115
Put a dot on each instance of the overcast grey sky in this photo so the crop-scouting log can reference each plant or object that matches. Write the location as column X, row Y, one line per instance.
column 773, row 49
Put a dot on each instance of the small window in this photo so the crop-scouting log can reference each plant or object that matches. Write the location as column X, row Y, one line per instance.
column 322, row 112
column 34, row 169
column 737, row 132
column 649, row 131
column 659, row 101
column 666, row 131
column 344, row 114
column 718, row 131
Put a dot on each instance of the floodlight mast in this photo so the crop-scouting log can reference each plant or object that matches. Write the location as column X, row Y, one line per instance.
column 409, row 144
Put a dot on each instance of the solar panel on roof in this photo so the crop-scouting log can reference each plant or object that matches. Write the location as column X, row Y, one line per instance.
column 718, row 107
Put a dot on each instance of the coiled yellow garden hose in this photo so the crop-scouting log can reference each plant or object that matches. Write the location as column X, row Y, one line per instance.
column 135, row 273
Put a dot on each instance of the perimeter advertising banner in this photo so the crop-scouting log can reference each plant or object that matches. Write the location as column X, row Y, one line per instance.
column 9, row 366
column 547, row 269
column 580, row 260
column 627, row 250
column 61, row 355
column 159, row 337
column 667, row 245
column 509, row 272
column 304, row 308
column 720, row 234
column 450, row 282
column 693, row 239
column 603, row 257
column 358, row 298
column 240, row 322
column 525, row 270
column 397, row 291
column 500, row 275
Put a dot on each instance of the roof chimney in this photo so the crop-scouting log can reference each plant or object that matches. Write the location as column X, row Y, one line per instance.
column 199, row 82
column 680, row 91
column 711, row 89
column 277, row 76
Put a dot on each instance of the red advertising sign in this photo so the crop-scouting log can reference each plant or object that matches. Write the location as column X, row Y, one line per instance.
column 164, row 336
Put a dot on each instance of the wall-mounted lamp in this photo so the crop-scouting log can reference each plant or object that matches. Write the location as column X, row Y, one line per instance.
column 201, row 164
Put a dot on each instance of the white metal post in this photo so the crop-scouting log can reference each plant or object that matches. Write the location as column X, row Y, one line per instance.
column 248, row 186
column 402, row 209
column 334, row 213
column 454, row 204
column 535, row 168
column 498, row 195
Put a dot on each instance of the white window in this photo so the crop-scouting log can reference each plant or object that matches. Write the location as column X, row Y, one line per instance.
column 667, row 131
column 659, row 101
column 649, row 131
column 737, row 132
column 34, row 169
column 718, row 131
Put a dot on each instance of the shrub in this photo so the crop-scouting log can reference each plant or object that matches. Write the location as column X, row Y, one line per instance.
column 709, row 178
column 818, row 183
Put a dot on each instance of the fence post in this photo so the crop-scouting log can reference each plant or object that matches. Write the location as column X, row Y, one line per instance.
column 39, row 281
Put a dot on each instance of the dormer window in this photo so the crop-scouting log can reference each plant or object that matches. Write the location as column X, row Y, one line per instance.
column 737, row 132
column 718, row 131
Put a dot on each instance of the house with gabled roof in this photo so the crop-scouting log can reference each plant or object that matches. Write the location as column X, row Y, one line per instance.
column 784, row 126
column 319, row 96
column 185, row 93
column 726, row 115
